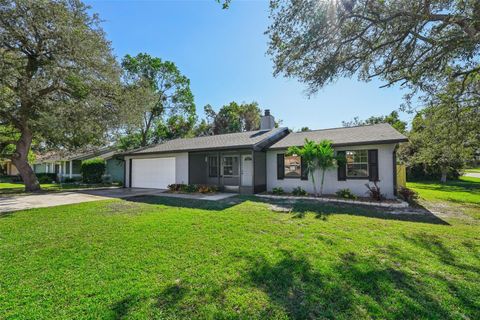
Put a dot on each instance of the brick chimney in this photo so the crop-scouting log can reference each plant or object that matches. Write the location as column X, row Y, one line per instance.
column 267, row 122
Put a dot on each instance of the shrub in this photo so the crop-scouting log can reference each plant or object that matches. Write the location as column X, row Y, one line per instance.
column 298, row 191
column 345, row 194
column 418, row 172
column 92, row 170
column 46, row 177
column 278, row 190
column 70, row 180
column 374, row 191
column 176, row 187
column 203, row 188
column 190, row 188
column 407, row 194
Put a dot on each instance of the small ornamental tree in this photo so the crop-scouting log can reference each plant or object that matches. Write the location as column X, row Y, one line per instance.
column 93, row 170
column 316, row 156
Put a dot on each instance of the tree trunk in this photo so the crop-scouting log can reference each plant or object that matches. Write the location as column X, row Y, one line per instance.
column 313, row 181
column 323, row 179
column 443, row 179
column 20, row 160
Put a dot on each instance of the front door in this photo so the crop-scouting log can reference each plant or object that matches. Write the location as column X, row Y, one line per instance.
column 247, row 170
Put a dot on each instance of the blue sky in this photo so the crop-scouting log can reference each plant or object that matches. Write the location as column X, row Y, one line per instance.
column 223, row 52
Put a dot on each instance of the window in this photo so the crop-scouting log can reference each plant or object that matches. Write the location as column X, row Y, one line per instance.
column 293, row 167
column 212, row 166
column 357, row 163
column 230, row 166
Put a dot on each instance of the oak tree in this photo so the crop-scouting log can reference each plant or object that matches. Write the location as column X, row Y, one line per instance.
column 57, row 78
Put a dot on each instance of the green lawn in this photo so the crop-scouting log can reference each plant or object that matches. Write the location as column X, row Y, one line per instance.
column 463, row 194
column 169, row 258
column 473, row 170
column 14, row 188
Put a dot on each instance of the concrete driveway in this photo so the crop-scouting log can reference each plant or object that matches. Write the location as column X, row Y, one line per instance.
column 472, row 174
column 22, row 202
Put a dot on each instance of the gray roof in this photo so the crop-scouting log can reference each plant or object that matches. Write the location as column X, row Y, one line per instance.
column 249, row 139
column 63, row 155
column 361, row 135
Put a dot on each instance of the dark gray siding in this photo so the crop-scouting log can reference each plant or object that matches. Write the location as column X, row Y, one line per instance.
column 259, row 171
column 197, row 169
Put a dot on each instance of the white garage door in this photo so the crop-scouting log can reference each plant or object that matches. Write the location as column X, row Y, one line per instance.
column 153, row 173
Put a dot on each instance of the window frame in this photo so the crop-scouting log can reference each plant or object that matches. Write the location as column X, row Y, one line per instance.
column 285, row 175
column 209, row 163
column 232, row 165
column 366, row 163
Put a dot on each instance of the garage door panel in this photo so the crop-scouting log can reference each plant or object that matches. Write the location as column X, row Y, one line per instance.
column 153, row 173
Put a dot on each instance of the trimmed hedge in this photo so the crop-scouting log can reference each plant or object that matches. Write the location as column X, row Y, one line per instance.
column 92, row 170
column 46, row 177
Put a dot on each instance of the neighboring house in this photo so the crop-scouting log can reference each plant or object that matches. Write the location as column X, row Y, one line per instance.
column 255, row 161
column 9, row 168
column 68, row 165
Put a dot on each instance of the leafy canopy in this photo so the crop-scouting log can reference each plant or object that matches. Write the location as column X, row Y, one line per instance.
column 444, row 135
column 393, row 119
column 57, row 73
column 58, row 79
column 232, row 117
column 420, row 44
column 159, row 99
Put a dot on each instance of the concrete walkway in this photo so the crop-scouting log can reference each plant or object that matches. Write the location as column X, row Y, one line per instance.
column 43, row 200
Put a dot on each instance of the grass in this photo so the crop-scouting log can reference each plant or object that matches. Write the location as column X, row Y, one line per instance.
column 473, row 170
column 462, row 195
column 9, row 188
column 166, row 258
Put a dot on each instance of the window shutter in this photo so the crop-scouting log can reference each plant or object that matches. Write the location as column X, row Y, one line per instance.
column 303, row 170
column 373, row 165
column 342, row 169
column 280, row 166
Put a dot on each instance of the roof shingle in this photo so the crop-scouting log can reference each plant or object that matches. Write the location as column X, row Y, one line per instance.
column 222, row 141
column 371, row 134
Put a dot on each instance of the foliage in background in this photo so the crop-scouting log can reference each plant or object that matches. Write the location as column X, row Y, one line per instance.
column 159, row 100
column 392, row 119
column 92, row 170
column 444, row 135
column 58, row 78
column 232, row 117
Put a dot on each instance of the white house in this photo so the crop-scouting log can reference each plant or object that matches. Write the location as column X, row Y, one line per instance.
column 256, row 161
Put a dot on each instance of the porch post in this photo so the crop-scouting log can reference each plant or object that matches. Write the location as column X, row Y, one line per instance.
column 70, row 169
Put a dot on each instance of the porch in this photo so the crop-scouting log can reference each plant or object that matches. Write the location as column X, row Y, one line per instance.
column 242, row 171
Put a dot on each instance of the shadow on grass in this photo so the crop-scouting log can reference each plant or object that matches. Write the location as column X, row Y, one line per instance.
column 352, row 287
column 187, row 203
column 435, row 246
column 358, row 285
column 298, row 208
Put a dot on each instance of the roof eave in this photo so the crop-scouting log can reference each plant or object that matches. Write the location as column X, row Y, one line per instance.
column 247, row 146
column 360, row 143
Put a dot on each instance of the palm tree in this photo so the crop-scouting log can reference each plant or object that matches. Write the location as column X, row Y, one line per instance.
column 325, row 159
column 316, row 156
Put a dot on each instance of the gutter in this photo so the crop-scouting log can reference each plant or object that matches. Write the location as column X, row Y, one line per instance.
column 352, row 143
